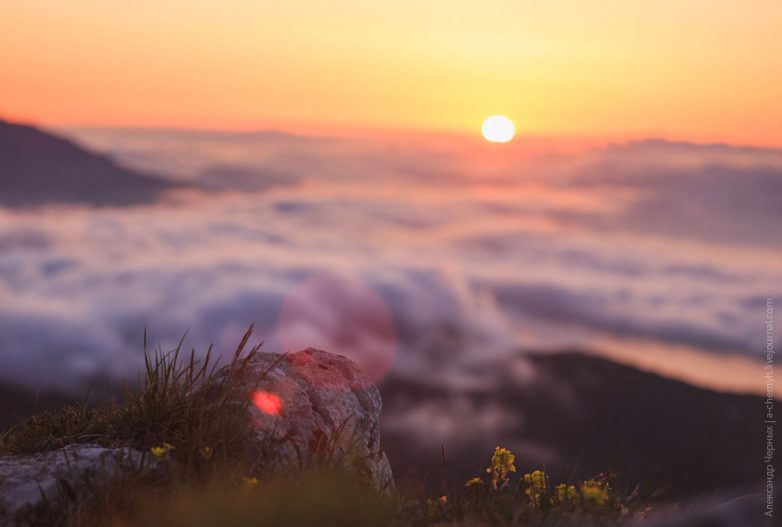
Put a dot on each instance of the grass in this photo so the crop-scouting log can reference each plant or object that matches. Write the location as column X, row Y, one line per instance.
column 500, row 496
column 317, row 499
column 187, row 403
column 497, row 497
column 192, row 416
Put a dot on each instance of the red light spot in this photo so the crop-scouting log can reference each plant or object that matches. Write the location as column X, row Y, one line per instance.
column 267, row 402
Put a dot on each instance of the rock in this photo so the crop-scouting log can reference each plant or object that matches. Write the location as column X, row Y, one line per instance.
column 309, row 408
column 36, row 486
column 312, row 407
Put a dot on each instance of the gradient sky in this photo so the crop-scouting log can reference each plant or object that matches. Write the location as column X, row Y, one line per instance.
column 697, row 70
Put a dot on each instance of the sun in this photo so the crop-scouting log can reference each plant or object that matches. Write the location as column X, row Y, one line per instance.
column 498, row 129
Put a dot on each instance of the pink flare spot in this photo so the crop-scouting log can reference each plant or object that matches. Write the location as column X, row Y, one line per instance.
column 341, row 315
column 267, row 402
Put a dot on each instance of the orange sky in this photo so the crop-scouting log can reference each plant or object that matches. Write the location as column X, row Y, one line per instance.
column 700, row 70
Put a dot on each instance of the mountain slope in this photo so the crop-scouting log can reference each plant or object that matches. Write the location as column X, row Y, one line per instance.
column 37, row 168
column 582, row 413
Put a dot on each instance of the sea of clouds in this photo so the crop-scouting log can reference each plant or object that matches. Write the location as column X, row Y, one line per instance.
column 427, row 258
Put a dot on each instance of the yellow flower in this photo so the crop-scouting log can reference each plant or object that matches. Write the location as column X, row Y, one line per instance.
column 502, row 464
column 537, row 480
column 162, row 451
column 206, row 452
column 474, row 482
column 250, row 480
column 503, row 460
column 595, row 491
column 435, row 508
column 565, row 494
column 537, row 485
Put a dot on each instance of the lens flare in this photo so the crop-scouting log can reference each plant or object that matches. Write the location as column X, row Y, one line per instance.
column 267, row 402
column 342, row 315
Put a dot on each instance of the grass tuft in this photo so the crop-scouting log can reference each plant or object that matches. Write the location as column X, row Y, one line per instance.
column 190, row 404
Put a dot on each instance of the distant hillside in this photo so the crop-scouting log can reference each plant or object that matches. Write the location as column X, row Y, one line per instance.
column 37, row 168
column 594, row 414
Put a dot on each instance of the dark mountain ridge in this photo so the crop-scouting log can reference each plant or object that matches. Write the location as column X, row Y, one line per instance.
column 38, row 168
column 595, row 415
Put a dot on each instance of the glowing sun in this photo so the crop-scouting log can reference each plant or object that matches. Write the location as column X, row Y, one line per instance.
column 498, row 129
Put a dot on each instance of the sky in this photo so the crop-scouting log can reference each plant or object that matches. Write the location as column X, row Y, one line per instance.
column 700, row 70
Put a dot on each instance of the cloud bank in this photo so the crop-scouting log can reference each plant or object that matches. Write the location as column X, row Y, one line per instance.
column 437, row 259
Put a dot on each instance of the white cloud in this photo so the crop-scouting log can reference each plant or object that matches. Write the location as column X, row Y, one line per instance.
column 468, row 268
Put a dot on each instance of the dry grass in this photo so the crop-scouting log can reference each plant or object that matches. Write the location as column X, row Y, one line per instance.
column 188, row 403
column 501, row 498
column 314, row 499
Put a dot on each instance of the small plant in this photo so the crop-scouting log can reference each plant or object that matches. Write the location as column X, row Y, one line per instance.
column 161, row 452
column 596, row 491
column 536, row 487
column 498, row 497
column 565, row 495
column 502, row 464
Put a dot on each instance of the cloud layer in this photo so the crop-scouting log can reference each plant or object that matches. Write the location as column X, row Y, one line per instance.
column 436, row 258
